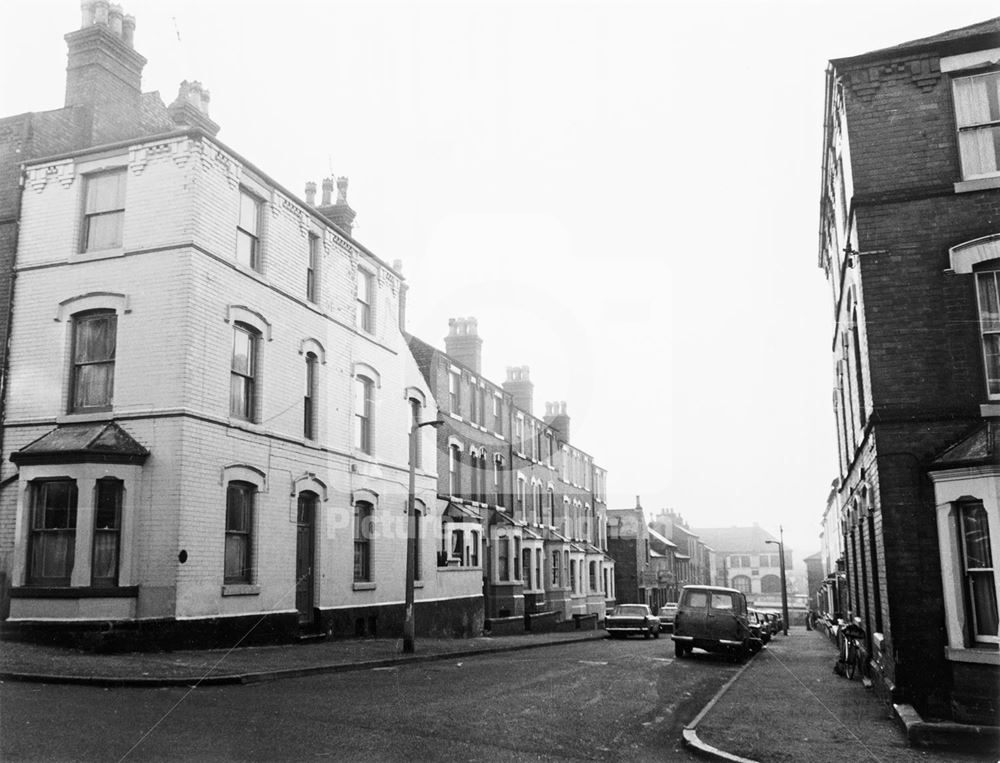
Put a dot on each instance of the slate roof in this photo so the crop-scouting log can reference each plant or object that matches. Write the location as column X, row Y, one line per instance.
column 948, row 39
column 977, row 447
column 104, row 441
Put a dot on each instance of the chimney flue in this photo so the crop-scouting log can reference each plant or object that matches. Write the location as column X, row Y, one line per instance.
column 115, row 19
column 128, row 30
column 101, row 11
column 463, row 342
column 519, row 386
column 311, row 194
column 327, row 191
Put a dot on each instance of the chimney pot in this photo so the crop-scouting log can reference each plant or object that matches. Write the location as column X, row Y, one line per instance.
column 101, row 12
column 327, row 190
column 397, row 265
column 311, row 194
column 128, row 30
column 342, row 190
column 115, row 19
column 87, row 13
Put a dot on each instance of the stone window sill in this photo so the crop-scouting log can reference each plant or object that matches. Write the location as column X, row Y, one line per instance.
column 240, row 589
column 364, row 586
column 978, row 184
column 983, row 656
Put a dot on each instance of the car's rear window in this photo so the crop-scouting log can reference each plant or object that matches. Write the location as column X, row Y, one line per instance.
column 696, row 598
column 722, row 601
column 633, row 611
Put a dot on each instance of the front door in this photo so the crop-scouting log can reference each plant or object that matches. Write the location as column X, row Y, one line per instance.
column 305, row 556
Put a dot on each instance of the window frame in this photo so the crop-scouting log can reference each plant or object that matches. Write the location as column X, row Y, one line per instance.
column 974, row 635
column 312, row 269
column 309, row 417
column 245, row 533
column 77, row 365
column 364, row 297
column 106, row 581
column 990, row 124
column 989, row 334
column 249, row 377
column 244, row 233
column 364, row 387
column 364, row 511
column 89, row 216
column 37, row 535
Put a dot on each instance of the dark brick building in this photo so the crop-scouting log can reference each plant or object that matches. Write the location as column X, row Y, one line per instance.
column 910, row 243
column 519, row 502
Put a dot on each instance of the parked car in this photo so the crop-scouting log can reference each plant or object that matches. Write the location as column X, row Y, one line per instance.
column 666, row 615
column 773, row 620
column 713, row 619
column 758, row 626
column 632, row 619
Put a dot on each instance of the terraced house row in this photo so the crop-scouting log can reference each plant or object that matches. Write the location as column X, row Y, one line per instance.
column 208, row 394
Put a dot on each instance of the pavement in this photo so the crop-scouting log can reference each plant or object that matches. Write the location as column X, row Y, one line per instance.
column 785, row 704
column 33, row 662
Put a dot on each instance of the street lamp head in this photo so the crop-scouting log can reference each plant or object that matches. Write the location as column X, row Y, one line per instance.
column 436, row 423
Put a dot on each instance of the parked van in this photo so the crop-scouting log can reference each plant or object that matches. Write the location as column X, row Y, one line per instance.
column 713, row 619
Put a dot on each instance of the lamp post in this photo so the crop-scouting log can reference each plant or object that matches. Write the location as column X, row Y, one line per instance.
column 411, row 536
column 784, row 588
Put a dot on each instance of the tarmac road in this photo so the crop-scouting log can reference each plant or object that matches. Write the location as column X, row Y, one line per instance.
column 598, row 700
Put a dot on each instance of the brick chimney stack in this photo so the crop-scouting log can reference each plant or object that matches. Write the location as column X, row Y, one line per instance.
column 340, row 213
column 519, row 386
column 190, row 108
column 103, row 70
column 463, row 342
column 557, row 418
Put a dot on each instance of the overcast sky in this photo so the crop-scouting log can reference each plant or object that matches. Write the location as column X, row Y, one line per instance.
column 625, row 194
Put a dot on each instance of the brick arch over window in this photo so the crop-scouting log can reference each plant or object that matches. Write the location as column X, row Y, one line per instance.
column 366, row 495
column 243, row 314
column 741, row 583
column 363, row 369
column 309, row 481
column 965, row 256
column 94, row 300
column 245, row 473
column 314, row 346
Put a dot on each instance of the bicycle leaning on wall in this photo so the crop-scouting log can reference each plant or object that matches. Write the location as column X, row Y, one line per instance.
column 853, row 634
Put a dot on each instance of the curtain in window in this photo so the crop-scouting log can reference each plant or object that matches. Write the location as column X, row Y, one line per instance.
column 107, row 532
column 53, row 532
column 105, row 211
column 362, row 541
column 244, row 369
column 979, row 572
column 977, row 102
column 989, row 317
column 503, row 559
column 239, row 518
column 94, row 338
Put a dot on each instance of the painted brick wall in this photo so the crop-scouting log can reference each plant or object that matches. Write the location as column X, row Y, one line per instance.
column 178, row 274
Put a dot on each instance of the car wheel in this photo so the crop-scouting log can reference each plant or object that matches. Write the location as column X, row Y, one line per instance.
column 679, row 650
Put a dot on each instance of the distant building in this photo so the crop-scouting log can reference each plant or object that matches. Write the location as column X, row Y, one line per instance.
column 629, row 546
column 748, row 560
column 910, row 245
column 527, row 506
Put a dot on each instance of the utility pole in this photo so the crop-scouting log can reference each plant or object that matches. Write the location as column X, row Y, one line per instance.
column 409, row 623
column 784, row 586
